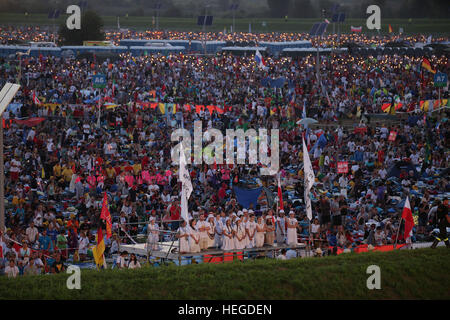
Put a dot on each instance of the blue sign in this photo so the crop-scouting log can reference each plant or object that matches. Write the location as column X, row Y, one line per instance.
column 440, row 79
column 99, row 81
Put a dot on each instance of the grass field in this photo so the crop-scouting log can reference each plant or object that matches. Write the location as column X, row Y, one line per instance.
column 435, row 26
column 415, row 274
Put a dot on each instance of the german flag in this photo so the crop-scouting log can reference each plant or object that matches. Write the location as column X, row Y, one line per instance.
column 99, row 249
column 427, row 65
column 390, row 29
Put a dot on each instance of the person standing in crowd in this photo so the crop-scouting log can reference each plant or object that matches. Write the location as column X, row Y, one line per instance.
column 443, row 222
column 228, row 237
column 194, row 238
column 260, row 232
column 250, row 229
column 239, row 235
column 218, row 232
column 270, row 230
column 153, row 235
column 203, row 229
column 83, row 245
column 211, row 230
column 183, row 235
column 281, row 228
column 292, row 226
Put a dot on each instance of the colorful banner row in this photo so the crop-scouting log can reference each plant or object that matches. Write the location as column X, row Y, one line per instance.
column 430, row 105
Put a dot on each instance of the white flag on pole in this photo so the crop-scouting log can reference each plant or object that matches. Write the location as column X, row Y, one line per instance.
column 309, row 179
column 186, row 187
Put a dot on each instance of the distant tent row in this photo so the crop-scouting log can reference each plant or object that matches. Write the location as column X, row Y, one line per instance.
column 390, row 51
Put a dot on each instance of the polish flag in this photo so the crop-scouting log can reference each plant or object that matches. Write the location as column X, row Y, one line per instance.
column 35, row 98
column 409, row 220
column 280, row 194
column 260, row 60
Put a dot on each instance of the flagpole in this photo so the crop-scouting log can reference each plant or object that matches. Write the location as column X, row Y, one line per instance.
column 398, row 231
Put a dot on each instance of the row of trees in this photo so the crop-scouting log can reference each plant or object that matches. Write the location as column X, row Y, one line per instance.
column 260, row 9
column 357, row 9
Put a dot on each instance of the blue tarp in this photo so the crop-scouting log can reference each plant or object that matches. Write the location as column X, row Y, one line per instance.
column 247, row 196
column 273, row 83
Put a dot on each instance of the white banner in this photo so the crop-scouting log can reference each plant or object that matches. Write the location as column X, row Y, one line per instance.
column 309, row 179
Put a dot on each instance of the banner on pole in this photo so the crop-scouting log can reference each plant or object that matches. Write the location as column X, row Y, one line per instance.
column 343, row 167
column 392, row 136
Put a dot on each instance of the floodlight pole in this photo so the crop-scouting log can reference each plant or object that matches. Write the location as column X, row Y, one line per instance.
column 317, row 63
column 157, row 16
column 234, row 14
column 204, row 29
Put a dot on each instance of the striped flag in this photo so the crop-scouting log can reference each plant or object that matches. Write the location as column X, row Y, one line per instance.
column 99, row 249
column 427, row 65
column 390, row 29
column 280, row 193
column 35, row 98
column 356, row 29
column 409, row 220
column 186, row 186
column 308, row 173
column 260, row 60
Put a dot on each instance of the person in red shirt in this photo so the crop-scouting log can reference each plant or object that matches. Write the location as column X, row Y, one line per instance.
column 222, row 192
column 175, row 214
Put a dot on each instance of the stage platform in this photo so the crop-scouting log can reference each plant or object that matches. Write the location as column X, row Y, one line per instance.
column 169, row 251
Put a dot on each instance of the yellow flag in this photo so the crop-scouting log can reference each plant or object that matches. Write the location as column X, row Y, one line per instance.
column 162, row 107
column 98, row 250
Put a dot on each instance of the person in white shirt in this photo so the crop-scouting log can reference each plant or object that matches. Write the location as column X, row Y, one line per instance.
column 194, row 238
column 183, row 235
column 203, row 228
column 292, row 225
column 282, row 256
column 382, row 173
column 121, row 262
column 32, row 233
column 211, row 231
column 134, row 263
column 251, row 231
column 153, row 234
column 11, row 269
column 239, row 235
column 83, row 245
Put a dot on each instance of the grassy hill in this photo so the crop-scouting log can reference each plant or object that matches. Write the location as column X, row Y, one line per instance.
column 427, row 26
column 405, row 274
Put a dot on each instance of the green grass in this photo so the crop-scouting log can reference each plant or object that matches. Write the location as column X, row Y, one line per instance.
column 414, row 274
column 435, row 26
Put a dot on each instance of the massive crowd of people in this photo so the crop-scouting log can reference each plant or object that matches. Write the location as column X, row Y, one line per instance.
column 59, row 163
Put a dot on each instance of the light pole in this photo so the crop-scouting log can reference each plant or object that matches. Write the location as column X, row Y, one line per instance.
column 6, row 95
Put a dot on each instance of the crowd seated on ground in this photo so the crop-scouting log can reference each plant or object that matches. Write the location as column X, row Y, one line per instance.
column 59, row 163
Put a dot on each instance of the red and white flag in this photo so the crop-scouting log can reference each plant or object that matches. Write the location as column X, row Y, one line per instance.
column 356, row 29
column 35, row 98
column 280, row 193
column 409, row 220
